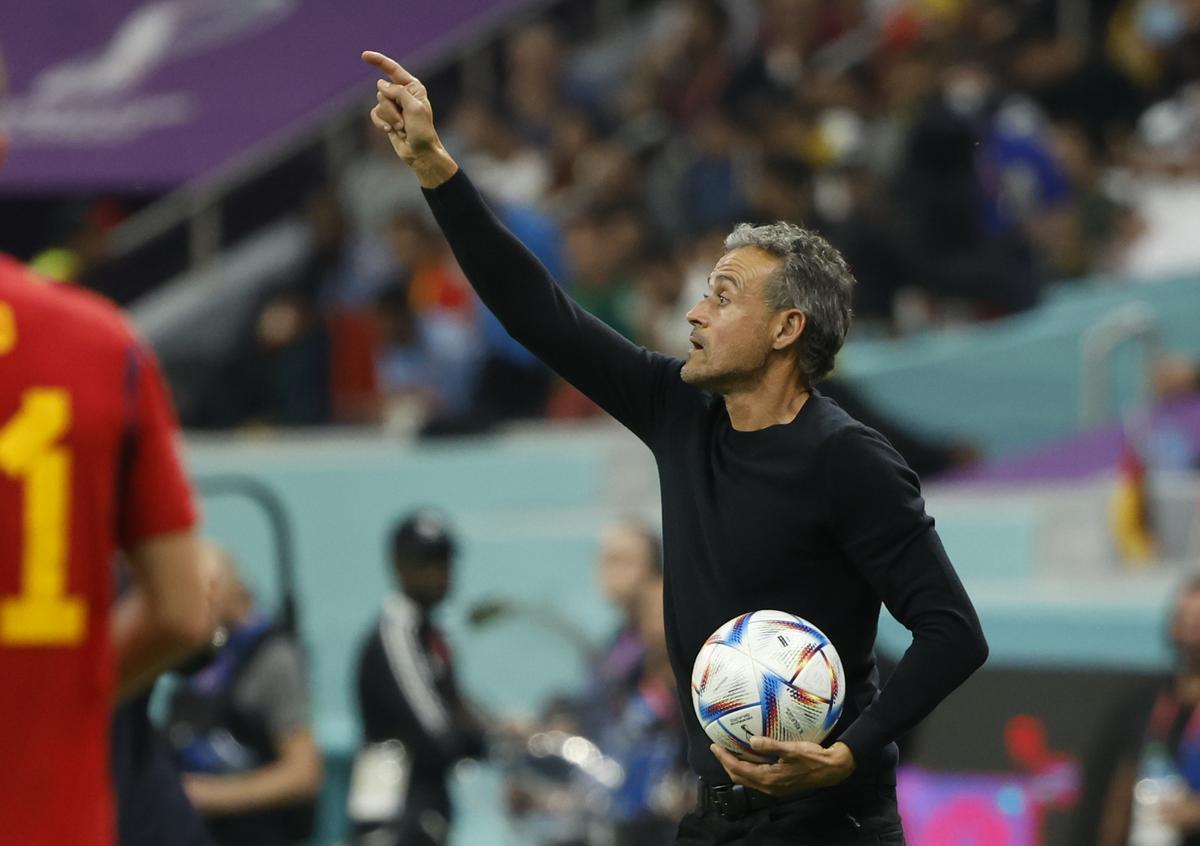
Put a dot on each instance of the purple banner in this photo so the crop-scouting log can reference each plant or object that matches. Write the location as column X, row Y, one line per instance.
column 1174, row 441
column 147, row 94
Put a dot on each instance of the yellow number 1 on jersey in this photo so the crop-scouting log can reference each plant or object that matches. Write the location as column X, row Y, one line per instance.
column 42, row 614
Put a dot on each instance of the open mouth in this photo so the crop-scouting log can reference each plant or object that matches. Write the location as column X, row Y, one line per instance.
column 696, row 345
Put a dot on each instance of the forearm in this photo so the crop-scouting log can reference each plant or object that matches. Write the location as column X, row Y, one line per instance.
column 509, row 279
column 167, row 614
column 613, row 372
column 267, row 787
column 927, row 674
column 945, row 651
column 923, row 592
column 146, row 645
column 294, row 778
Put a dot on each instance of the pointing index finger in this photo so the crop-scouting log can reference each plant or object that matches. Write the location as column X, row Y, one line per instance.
column 393, row 69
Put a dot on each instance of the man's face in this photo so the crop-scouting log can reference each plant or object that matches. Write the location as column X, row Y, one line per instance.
column 425, row 581
column 623, row 566
column 732, row 323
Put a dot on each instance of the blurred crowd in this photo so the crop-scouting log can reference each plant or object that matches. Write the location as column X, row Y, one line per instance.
column 963, row 156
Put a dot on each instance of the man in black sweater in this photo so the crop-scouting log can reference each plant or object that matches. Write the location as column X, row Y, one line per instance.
column 772, row 496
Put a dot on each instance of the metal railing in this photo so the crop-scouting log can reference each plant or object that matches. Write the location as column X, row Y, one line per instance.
column 1133, row 322
column 282, row 535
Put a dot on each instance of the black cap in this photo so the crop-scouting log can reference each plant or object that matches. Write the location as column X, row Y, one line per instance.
column 423, row 535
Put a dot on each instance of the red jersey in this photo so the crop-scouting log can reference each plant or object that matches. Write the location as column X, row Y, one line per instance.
column 87, row 464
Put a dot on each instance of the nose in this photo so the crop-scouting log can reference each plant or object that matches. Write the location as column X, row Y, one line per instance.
column 696, row 316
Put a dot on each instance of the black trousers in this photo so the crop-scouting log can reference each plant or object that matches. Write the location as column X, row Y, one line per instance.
column 863, row 816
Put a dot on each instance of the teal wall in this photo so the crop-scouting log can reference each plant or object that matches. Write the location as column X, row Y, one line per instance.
column 528, row 526
column 528, row 522
column 1015, row 382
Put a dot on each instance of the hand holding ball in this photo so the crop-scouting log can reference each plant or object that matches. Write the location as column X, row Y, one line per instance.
column 767, row 673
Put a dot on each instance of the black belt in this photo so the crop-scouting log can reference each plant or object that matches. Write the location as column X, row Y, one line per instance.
column 733, row 801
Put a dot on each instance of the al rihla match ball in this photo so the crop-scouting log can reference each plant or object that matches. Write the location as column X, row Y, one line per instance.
column 769, row 673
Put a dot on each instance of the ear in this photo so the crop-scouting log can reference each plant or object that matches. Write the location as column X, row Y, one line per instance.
column 789, row 326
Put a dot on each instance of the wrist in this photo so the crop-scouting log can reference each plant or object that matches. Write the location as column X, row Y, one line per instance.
column 434, row 167
column 843, row 757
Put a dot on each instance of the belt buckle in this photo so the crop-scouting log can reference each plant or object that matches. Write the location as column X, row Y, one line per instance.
column 731, row 800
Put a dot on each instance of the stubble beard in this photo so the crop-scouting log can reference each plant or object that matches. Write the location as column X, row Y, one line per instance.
column 720, row 383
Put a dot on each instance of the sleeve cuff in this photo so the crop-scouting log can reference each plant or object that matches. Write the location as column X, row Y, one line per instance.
column 864, row 738
column 456, row 185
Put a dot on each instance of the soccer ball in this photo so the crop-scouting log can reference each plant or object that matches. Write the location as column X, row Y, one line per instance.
column 769, row 673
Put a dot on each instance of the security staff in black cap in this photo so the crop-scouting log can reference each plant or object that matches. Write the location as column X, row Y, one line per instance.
column 415, row 724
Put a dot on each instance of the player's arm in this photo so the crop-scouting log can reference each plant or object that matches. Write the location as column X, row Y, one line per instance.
column 166, row 615
column 168, row 612
column 621, row 377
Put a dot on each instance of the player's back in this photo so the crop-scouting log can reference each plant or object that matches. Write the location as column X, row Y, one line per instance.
column 65, row 367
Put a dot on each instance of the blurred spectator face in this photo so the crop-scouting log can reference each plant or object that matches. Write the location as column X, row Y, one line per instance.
column 661, row 278
column 622, row 234
column 571, row 135
column 426, row 581
column 705, row 34
column 590, row 259
column 787, row 26
column 282, row 320
column 781, row 193
column 535, row 53
column 1043, row 62
column 231, row 597
column 411, row 240
column 731, row 335
column 1163, row 22
column 326, row 221
column 608, row 173
column 1070, row 148
column 649, row 617
column 395, row 317
column 1168, row 135
column 716, row 137
column 626, row 564
column 966, row 89
column 478, row 125
column 907, row 82
column 1185, row 626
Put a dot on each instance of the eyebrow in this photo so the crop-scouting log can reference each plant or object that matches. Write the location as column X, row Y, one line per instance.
column 724, row 277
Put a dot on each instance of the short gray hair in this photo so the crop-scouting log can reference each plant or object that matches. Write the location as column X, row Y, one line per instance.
column 812, row 277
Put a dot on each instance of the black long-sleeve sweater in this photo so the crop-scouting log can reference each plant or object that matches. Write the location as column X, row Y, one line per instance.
column 819, row 517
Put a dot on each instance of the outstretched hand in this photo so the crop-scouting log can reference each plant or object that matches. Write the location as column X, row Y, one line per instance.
column 404, row 113
column 798, row 766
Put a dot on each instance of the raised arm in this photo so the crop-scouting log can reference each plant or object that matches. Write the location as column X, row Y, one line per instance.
column 624, row 379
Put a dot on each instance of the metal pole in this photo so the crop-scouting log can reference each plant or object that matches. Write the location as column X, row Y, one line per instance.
column 204, row 233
